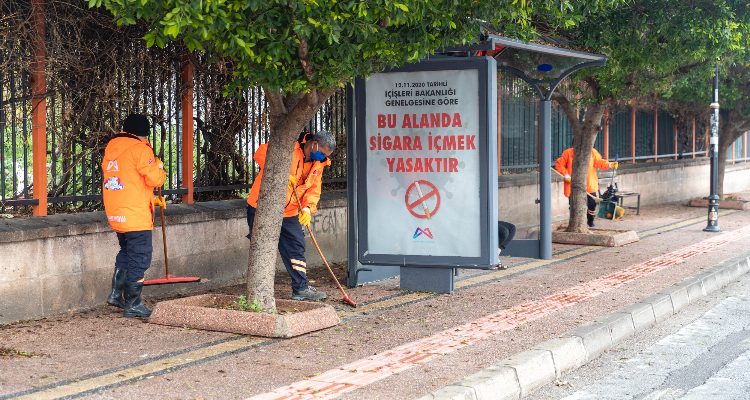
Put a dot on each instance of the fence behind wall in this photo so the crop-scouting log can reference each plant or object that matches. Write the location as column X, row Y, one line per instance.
column 110, row 74
column 654, row 135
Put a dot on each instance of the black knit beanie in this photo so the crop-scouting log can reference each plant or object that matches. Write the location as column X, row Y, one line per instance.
column 137, row 124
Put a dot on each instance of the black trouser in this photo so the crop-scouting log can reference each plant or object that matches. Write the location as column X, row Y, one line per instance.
column 291, row 247
column 590, row 205
column 135, row 254
column 505, row 233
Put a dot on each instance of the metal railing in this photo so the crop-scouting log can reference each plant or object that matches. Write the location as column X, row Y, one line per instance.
column 519, row 133
column 228, row 130
column 15, row 129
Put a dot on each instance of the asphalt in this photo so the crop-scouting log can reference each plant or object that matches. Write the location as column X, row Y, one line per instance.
column 699, row 353
column 381, row 350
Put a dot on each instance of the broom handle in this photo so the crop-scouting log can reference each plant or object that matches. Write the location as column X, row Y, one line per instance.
column 164, row 239
column 587, row 193
column 614, row 171
column 320, row 252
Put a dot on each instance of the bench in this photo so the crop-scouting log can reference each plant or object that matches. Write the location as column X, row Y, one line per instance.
column 622, row 195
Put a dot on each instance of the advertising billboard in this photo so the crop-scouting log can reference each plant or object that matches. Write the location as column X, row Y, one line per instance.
column 426, row 165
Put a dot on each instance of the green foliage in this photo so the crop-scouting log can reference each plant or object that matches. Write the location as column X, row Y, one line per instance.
column 243, row 305
column 299, row 45
column 652, row 45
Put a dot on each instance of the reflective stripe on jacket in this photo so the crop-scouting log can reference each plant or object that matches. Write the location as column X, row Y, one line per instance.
column 564, row 165
column 130, row 175
column 308, row 187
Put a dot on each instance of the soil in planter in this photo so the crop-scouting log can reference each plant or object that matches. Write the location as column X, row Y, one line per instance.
column 596, row 231
column 318, row 277
column 227, row 304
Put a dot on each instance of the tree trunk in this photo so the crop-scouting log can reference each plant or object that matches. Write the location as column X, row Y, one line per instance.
column 584, row 135
column 288, row 115
column 734, row 129
column 583, row 142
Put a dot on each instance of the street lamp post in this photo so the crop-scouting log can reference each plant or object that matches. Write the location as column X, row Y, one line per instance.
column 713, row 198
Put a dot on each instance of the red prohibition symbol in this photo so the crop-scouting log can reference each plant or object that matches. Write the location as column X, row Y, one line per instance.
column 424, row 191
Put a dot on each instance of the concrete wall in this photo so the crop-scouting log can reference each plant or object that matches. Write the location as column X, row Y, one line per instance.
column 658, row 183
column 64, row 262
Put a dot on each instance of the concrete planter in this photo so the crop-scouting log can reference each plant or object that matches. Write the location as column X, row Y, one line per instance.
column 597, row 237
column 740, row 204
column 207, row 312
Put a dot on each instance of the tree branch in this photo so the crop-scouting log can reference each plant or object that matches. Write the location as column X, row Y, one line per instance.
column 275, row 101
column 291, row 100
column 593, row 85
column 568, row 109
column 304, row 58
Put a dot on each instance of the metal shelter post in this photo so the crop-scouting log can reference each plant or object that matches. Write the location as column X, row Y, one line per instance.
column 543, row 67
column 545, row 180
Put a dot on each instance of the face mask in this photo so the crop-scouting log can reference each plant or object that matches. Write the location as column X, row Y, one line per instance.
column 317, row 155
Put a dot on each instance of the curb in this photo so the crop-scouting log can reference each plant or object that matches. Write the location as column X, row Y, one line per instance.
column 522, row 373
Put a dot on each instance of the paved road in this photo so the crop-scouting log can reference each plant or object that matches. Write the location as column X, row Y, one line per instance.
column 702, row 353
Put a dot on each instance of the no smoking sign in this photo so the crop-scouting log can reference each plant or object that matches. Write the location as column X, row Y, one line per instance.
column 422, row 199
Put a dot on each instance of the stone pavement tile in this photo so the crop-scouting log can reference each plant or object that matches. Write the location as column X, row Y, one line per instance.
column 679, row 296
column 452, row 392
column 596, row 338
column 534, row 368
column 642, row 314
column 620, row 326
column 605, row 332
column 662, row 305
column 695, row 289
column 568, row 353
column 710, row 281
column 410, row 321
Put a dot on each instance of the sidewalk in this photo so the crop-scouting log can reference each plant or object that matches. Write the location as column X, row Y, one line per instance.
column 378, row 351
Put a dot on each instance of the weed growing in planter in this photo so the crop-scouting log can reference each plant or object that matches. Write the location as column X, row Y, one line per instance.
column 243, row 305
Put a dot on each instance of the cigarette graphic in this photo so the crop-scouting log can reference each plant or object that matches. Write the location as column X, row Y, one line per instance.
column 424, row 206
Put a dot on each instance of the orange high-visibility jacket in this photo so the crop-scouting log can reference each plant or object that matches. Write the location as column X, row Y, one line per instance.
column 130, row 176
column 309, row 181
column 564, row 165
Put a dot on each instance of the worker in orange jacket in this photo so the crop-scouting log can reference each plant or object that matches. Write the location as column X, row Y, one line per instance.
column 564, row 165
column 310, row 155
column 131, row 172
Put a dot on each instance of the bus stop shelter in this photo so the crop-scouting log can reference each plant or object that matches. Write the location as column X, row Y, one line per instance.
column 543, row 67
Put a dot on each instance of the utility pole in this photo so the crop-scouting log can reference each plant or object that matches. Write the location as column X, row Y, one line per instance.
column 713, row 198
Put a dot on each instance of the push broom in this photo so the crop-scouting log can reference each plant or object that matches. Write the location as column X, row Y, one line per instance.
column 347, row 300
column 167, row 278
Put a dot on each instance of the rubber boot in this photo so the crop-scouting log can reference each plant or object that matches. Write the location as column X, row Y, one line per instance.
column 118, row 283
column 133, row 305
column 590, row 220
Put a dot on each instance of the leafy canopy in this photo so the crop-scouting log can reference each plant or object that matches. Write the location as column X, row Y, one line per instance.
column 695, row 88
column 299, row 45
column 652, row 45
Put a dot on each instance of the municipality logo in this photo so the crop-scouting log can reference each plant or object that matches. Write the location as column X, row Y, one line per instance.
column 422, row 231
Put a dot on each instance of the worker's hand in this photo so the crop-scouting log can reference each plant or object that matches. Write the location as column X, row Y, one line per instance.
column 614, row 164
column 305, row 217
column 160, row 201
column 566, row 178
column 159, row 163
column 292, row 182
